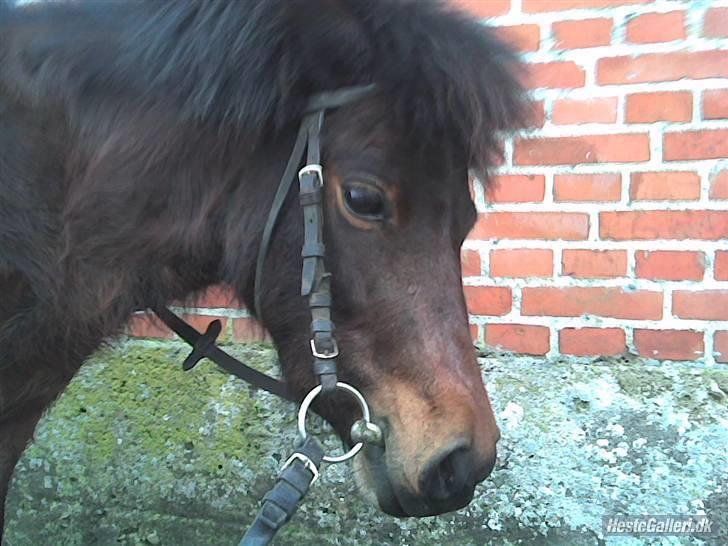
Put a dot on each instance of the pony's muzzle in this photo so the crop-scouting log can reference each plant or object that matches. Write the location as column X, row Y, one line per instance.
column 446, row 482
column 439, row 443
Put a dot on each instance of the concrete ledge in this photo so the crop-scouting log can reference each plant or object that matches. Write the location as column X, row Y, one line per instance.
column 138, row 452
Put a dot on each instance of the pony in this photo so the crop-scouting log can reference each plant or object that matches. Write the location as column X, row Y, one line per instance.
column 140, row 147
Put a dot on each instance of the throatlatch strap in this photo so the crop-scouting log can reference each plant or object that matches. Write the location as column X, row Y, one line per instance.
column 284, row 186
column 281, row 502
column 204, row 347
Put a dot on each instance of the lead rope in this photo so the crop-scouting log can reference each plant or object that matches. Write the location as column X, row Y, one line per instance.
column 281, row 502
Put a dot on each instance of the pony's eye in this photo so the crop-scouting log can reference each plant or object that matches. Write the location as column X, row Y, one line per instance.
column 365, row 201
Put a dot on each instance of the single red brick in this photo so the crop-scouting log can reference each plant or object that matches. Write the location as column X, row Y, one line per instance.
column 657, row 27
column 521, row 262
column 715, row 104
column 670, row 265
column 719, row 185
column 576, row 301
column 587, row 187
column 708, row 225
column 539, row 6
column 663, row 67
column 662, row 106
column 582, row 33
column 669, row 344
column 520, row 37
column 516, row 188
column 594, row 264
column 248, row 329
column 720, row 346
column 592, row 341
column 556, row 74
column 570, row 226
column 219, row 296
column 715, row 24
column 470, row 260
column 702, row 304
column 482, row 8
column 518, row 338
column 488, row 300
column 721, row 265
column 696, row 144
column 575, row 111
column 666, row 185
column 536, row 116
column 617, row 148
column 148, row 325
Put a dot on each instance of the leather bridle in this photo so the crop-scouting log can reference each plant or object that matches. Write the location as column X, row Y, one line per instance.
column 301, row 469
column 315, row 281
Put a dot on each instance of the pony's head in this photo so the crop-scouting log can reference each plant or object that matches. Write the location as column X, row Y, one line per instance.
column 397, row 206
column 397, row 209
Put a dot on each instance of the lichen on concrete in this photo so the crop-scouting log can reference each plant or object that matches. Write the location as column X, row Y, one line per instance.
column 139, row 452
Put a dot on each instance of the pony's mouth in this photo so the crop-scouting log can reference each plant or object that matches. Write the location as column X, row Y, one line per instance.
column 373, row 479
column 389, row 504
column 378, row 488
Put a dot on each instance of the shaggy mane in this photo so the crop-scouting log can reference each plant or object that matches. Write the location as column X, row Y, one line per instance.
column 251, row 64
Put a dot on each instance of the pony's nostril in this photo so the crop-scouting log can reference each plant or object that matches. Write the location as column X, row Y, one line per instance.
column 449, row 477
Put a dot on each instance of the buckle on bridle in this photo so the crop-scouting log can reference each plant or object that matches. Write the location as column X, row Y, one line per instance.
column 307, row 463
column 312, row 168
column 327, row 355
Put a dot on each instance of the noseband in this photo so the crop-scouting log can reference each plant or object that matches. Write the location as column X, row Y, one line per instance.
column 301, row 469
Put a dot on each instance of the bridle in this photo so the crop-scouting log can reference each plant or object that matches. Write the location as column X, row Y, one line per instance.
column 302, row 468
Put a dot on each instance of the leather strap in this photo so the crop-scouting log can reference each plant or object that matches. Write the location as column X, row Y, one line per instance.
column 281, row 502
column 311, row 184
column 339, row 97
column 315, row 280
column 284, row 187
column 204, row 347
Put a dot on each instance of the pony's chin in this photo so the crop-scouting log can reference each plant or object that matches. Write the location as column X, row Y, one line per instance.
column 379, row 493
column 389, row 504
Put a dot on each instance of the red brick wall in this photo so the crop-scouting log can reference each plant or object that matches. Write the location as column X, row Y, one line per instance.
column 606, row 229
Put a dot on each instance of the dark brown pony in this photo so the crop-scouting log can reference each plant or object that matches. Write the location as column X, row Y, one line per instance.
column 140, row 147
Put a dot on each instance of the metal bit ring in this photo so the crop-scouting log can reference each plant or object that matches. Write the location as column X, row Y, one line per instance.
column 303, row 411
